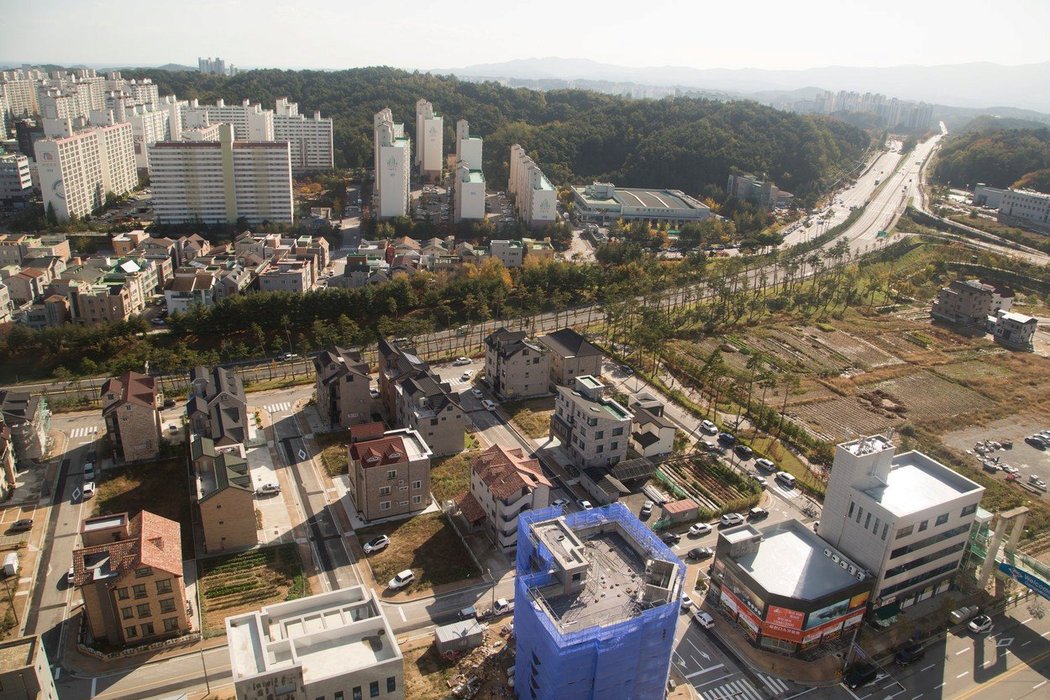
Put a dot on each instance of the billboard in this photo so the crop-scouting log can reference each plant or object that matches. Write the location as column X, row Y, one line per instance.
column 784, row 617
column 827, row 614
column 858, row 600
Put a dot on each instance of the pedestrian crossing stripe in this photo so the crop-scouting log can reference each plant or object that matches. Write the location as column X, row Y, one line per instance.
column 275, row 407
column 774, row 684
column 84, row 432
column 733, row 691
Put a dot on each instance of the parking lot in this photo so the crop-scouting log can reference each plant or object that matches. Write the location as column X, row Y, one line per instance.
column 1028, row 460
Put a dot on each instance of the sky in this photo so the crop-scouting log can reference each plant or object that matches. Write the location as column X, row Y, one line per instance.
column 776, row 34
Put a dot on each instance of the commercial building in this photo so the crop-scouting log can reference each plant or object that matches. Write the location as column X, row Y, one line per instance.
column 468, row 194
column 344, row 395
column 310, row 139
column 29, row 419
column 390, row 475
column 761, row 193
column 594, row 430
column 1014, row 330
column 504, row 483
column 16, row 183
column 221, row 181
column 430, row 140
column 79, row 169
column 24, row 670
column 603, row 202
column 786, row 588
column 970, row 302
column 336, row 645
column 571, row 356
column 132, row 416
column 515, row 366
column 217, row 408
column 985, row 196
column 509, row 252
column 224, row 496
column 468, row 148
column 596, row 599
column 129, row 572
column 1025, row 208
column 905, row 518
column 535, row 199
column 393, row 152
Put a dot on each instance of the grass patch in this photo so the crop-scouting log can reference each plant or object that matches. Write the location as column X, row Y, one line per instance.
column 333, row 451
column 450, row 476
column 785, row 459
column 245, row 581
column 428, row 545
column 533, row 416
column 282, row 383
column 160, row 487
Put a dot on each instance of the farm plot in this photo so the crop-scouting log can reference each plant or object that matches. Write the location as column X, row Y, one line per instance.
column 970, row 369
column 247, row 581
column 857, row 350
column 817, row 358
column 924, row 396
column 841, row 417
column 719, row 488
column 700, row 351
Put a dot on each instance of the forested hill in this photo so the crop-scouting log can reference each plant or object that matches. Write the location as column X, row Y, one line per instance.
column 577, row 136
column 995, row 156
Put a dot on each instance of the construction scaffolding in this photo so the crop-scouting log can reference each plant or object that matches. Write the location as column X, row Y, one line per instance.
column 605, row 633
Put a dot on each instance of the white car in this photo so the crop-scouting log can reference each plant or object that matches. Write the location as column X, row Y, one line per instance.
column 709, row 427
column 268, row 489
column 584, row 504
column 560, row 502
column 460, row 361
column 705, row 620
column 71, row 576
column 982, row 624
column 647, row 509
column 376, row 544
column 697, row 529
column 477, row 393
column 489, row 405
column 88, row 489
column 466, row 375
column 401, row 580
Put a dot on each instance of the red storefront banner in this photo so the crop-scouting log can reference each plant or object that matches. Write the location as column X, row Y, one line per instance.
column 785, row 617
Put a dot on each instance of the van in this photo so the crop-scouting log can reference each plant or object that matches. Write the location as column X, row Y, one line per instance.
column 468, row 613
column 786, row 479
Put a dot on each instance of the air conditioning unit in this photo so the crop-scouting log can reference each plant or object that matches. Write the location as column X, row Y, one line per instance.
column 852, row 570
column 827, row 552
column 843, row 564
column 860, row 575
column 835, row 558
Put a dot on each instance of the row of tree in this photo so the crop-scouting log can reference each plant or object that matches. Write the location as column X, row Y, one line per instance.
column 996, row 157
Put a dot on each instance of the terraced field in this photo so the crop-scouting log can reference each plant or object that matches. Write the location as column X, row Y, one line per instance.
column 247, row 581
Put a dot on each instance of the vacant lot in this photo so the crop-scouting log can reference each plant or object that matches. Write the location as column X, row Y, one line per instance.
column 427, row 674
column 450, row 476
column 532, row 416
column 333, row 451
column 428, row 545
column 247, row 581
column 159, row 487
column 924, row 397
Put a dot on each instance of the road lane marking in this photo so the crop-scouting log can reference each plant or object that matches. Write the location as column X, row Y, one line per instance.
column 917, row 697
column 939, row 686
column 703, row 671
column 94, row 682
column 1027, row 643
column 1025, row 622
column 961, row 652
column 964, row 673
column 1038, row 686
column 927, row 668
column 401, row 609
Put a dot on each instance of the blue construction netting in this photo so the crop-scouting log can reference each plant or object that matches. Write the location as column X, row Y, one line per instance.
column 624, row 660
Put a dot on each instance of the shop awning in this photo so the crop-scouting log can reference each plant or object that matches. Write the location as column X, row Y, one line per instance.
column 887, row 611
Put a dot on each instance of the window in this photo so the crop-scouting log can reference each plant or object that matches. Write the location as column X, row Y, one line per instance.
column 904, row 531
column 417, row 484
column 143, row 610
column 852, row 506
column 384, row 490
column 601, row 448
column 867, row 521
column 391, row 474
column 617, row 432
column 122, row 594
column 885, row 531
column 130, row 632
column 969, row 510
column 923, row 524
column 143, row 571
column 127, row 613
column 417, row 500
column 384, row 505
column 338, row 695
column 391, row 684
column 860, row 514
column 139, row 590
column 357, row 693
column 934, row 539
column 876, row 528
column 167, row 605
column 373, row 689
column 171, row 624
column 599, row 435
column 614, row 445
column 147, row 629
column 942, row 519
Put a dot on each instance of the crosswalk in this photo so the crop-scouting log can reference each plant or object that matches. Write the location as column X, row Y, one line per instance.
column 743, row 689
column 84, row 432
column 775, row 685
column 278, row 407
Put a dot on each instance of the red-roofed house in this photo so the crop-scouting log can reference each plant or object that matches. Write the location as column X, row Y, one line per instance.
column 130, row 575
column 129, row 407
column 390, row 475
column 504, row 483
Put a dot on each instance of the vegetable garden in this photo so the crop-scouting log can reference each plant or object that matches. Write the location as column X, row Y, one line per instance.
column 246, row 581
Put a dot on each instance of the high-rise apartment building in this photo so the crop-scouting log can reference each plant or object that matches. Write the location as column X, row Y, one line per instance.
column 215, row 66
column 16, row 183
column 221, row 181
column 430, row 139
column 310, row 139
column 468, row 148
column 535, row 199
column 393, row 151
column 250, row 121
column 468, row 194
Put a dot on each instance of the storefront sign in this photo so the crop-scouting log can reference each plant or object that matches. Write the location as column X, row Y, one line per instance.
column 785, row 617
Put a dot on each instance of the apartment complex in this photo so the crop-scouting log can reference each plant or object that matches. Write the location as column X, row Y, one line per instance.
column 29, row 420
column 310, row 139
column 250, row 121
column 224, row 496
column 535, row 199
column 24, row 670
column 16, row 182
column 905, row 518
column 571, row 356
column 594, row 430
column 222, row 181
column 336, row 645
column 129, row 572
column 78, row 169
column 430, row 139
column 393, row 153
column 596, row 599
column 217, row 408
column 468, row 194
column 515, row 366
column 468, row 148
column 971, row 302
column 215, row 66
column 132, row 416
column 344, row 395
column 390, row 475
column 503, row 485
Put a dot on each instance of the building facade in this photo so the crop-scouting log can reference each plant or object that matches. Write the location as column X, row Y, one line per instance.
column 132, row 416
column 515, row 366
column 969, row 303
column 392, row 161
column 1025, row 208
column 604, row 202
column 535, row 199
column 503, row 485
column 1014, row 330
column 468, row 195
column 390, row 476
column 310, row 139
column 29, row 420
column 468, row 148
column 224, row 496
column 430, row 139
column 509, row 252
column 217, row 408
column 24, row 670
column 344, row 395
column 250, row 122
column 594, row 430
column 16, row 183
column 571, row 356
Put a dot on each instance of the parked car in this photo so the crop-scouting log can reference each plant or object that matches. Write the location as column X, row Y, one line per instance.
column 700, row 553
column 71, row 576
column 761, row 481
column 88, row 489
column 626, row 369
column 169, row 403
column 89, row 471
column 765, row 464
column 744, row 452
column 671, row 538
column 757, row 513
column 982, row 624
column 1037, row 482
column 157, row 321
column 269, row 489
column 460, row 361
column 698, row 529
column 788, row 480
column 285, row 356
column 708, row 427
column 909, row 654
column 488, row 404
column 376, row 544
column 705, row 619
column 647, row 509
column 687, row 603
column 860, row 676
column 401, row 580
column 466, row 375
column 469, row 613
column 1036, row 442
column 477, row 393
column 727, row 439
column 731, row 520
column 21, row 525
column 560, row 502
column 502, row 606
column 584, row 504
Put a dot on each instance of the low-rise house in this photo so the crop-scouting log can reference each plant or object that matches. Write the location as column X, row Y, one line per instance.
column 593, row 429
column 25, row 673
column 336, row 645
column 29, row 419
column 27, row 285
column 189, row 287
column 390, row 476
column 969, row 303
column 217, row 407
column 504, row 484
column 129, row 572
column 515, row 366
column 286, row 276
column 652, row 434
column 536, row 249
column 224, row 498
column 132, row 416
column 571, row 356
column 510, row 253
column 1014, row 330
column 344, row 395
column 52, row 312
column 125, row 242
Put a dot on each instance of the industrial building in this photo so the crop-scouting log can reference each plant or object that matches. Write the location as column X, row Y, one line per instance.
column 786, row 588
column 603, row 202
column 393, row 151
column 597, row 596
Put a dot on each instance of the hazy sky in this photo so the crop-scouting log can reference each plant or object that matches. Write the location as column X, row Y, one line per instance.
column 453, row 33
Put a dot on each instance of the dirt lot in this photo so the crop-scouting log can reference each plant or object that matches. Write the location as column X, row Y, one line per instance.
column 333, row 451
column 450, row 476
column 532, row 416
column 1029, row 460
column 428, row 675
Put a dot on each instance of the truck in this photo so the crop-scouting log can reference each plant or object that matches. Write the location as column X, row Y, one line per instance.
column 502, row 607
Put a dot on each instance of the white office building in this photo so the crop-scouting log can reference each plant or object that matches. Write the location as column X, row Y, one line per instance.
column 78, row 169
column 535, row 199
column 469, row 194
column 250, row 121
column 310, row 139
column 468, row 148
column 430, row 139
column 330, row 645
column 393, row 155
column 905, row 518
column 221, row 181
column 1025, row 208
column 16, row 183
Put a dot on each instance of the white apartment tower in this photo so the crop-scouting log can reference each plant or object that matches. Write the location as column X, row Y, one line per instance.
column 535, row 198
column 310, row 139
column 906, row 518
column 430, row 138
column 469, row 194
column 250, row 121
column 78, row 169
column 221, row 181
column 393, row 154
column 468, row 148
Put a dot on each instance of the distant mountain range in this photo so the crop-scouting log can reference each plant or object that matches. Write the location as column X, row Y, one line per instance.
column 976, row 85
